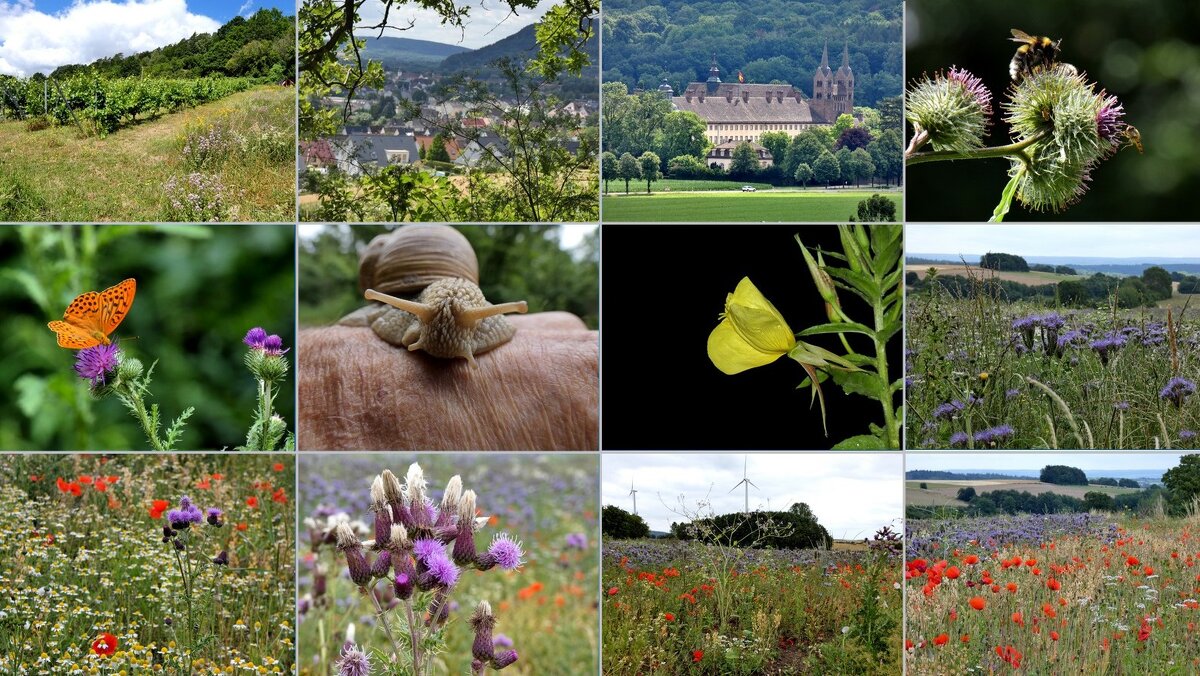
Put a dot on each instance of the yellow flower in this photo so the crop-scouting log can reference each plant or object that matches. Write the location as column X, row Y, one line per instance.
column 751, row 333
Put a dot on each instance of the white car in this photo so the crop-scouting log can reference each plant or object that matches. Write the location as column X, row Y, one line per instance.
column 749, row 188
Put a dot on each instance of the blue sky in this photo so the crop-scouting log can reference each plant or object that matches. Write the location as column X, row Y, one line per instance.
column 40, row 35
column 1129, row 240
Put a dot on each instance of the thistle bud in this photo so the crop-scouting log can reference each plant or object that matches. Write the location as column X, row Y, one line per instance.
column 464, row 553
column 383, row 562
column 356, row 561
column 222, row 559
column 450, row 499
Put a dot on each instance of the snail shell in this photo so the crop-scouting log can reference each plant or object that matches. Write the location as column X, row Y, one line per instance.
column 437, row 306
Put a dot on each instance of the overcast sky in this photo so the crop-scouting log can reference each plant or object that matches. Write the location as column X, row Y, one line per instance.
column 852, row 494
column 1116, row 241
column 37, row 36
column 570, row 235
column 1016, row 460
column 489, row 22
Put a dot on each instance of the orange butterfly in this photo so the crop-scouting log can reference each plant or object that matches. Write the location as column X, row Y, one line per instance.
column 91, row 317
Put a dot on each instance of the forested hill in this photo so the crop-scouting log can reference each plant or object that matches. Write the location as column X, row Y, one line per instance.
column 520, row 46
column 768, row 40
column 264, row 44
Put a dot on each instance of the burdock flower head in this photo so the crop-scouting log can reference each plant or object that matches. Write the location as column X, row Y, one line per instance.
column 97, row 364
column 951, row 111
column 483, row 648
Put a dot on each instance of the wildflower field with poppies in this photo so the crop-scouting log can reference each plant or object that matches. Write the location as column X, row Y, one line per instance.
column 544, row 608
column 984, row 374
column 673, row 607
column 175, row 564
column 1052, row 595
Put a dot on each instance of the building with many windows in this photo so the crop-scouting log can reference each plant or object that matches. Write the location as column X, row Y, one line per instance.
column 736, row 111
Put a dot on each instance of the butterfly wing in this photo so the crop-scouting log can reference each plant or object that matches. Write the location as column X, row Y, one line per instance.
column 91, row 317
column 73, row 337
column 115, row 302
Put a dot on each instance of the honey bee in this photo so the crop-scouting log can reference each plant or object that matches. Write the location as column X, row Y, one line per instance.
column 1036, row 54
column 1133, row 138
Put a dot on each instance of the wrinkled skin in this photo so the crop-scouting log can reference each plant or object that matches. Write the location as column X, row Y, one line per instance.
column 540, row 391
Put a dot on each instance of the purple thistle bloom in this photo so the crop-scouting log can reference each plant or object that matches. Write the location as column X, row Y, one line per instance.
column 426, row 549
column 442, row 570
column 186, row 515
column 506, row 552
column 577, row 540
column 96, row 363
column 273, row 345
column 213, row 516
column 503, row 659
column 353, row 662
column 255, row 338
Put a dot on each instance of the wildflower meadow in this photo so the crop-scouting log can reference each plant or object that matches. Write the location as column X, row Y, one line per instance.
column 448, row 564
column 1052, row 594
column 986, row 374
column 173, row 564
column 675, row 607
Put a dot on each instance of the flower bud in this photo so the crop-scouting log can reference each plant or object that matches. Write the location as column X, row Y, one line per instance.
column 356, row 561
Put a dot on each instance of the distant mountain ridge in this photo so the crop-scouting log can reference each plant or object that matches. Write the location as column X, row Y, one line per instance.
column 1133, row 265
column 408, row 52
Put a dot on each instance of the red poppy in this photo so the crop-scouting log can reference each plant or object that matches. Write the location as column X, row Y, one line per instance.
column 670, row 617
column 1053, row 585
column 1144, row 631
column 112, row 479
column 952, row 572
column 941, row 639
column 241, row 526
column 1132, row 561
column 218, row 477
column 613, row 591
column 101, row 485
column 965, row 638
column 1054, row 636
column 697, row 655
column 1017, row 619
column 157, row 508
column 278, row 467
column 978, row 603
column 1012, row 587
column 908, row 644
column 85, row 480
column 105, row 644
column 279, row 496
column 971, row 559
column 252, row 501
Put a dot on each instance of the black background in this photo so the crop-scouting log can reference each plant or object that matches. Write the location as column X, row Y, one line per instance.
column 663, row 288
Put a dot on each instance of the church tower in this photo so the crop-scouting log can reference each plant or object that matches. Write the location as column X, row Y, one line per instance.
column 823, row 88
column 843, row 97
column 714, row 76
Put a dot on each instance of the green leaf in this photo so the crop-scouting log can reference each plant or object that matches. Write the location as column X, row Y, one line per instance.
column 889, row 330
column 1006, row 198
column 30, row 284
column 861, row 442
column 811, row 355
column 31, row 394
column 841, row 327
column 857, row 282
column 887, row 246
column 859, row 382
column 897, row 384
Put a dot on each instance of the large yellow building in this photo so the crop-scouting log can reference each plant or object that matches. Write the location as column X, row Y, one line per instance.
column 736, row 112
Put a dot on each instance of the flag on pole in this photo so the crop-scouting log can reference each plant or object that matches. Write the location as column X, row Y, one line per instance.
column 741, row 78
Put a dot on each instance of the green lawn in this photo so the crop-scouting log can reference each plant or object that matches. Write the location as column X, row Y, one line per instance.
column 779, row 205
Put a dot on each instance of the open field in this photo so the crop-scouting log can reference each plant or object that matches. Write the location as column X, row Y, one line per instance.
column 1028, row 278
column 984, row 374
column 1062, row 594
column 776, row 205
column 942, row 493
column 57, row 174
column 675, row 607
column 92, row 585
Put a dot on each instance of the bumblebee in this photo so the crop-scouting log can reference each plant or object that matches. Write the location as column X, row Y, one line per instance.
column 1133, row 138
column 1036, row 54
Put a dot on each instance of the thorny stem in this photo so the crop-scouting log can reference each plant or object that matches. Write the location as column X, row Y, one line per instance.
column 139, row 409
column 383, row 621
column 414, row 630
column 1013, row 150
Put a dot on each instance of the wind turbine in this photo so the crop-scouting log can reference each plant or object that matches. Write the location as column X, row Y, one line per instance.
column 748, row 483
column 633, row 492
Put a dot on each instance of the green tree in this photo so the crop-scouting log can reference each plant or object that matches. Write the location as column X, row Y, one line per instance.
column 842, row 123
column 685, row 166
column 437, row 149
column 876, row 209
column 861, row 166
column 776, row 143
column 1095, row 500
column 608, row 168
column 619, row 524
column 745, row 160
column 1132, row 293
column 1183, row 482
column 803, row 174
column 682, row 133
column 827, row 170
column 1158, row 282
column 1063, row 475
column 649, row 164
column 1072, row 292
column 804, row 148
column 966, row 493
column 628, row 169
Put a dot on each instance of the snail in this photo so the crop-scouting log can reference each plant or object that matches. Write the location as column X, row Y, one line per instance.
column 425, row 281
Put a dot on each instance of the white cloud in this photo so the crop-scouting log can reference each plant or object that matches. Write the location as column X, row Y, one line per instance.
column 33, row 41
column 852, row 494
column 248, row 5
column 489, row 21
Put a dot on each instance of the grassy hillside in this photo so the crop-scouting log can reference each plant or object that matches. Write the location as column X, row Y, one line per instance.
column 408, row 53
column 1027, row 278
column 56, row 174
